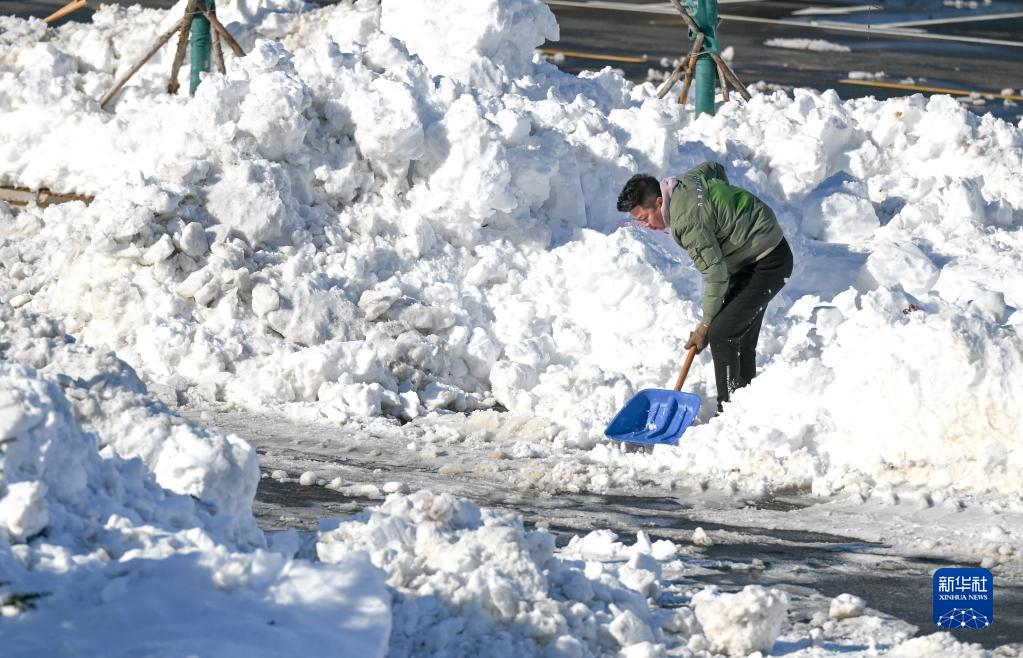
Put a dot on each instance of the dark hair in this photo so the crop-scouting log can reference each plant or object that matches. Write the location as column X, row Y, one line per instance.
column 640, row 190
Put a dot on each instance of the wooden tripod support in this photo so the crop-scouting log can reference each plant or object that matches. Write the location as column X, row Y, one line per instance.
column 688, row 64
column 181, row 29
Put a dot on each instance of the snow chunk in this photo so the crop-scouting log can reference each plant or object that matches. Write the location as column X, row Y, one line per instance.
column 839, row 210
column 23, row 510
column 845, row 606
column 701, row 538
column 628, row 629
column 741, row 623
column 254, row 199
column 818, row 45
column 898, row 264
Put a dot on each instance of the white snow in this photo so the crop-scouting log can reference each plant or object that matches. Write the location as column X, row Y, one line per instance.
column 817, row 45
column 867, row 75
column 457, row 254
column 741, row 623
column 845, row 606
column 126, row 566
column 362, row 236
column 134, row 527
column 360, row 219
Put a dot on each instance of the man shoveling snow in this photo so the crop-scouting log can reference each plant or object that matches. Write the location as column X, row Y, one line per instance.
column 737, row 244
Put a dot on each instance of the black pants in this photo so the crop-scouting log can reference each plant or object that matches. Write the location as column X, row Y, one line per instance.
column 734, row 331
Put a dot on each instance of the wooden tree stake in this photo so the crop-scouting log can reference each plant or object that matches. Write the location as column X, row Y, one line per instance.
column 729, row 74
column 179, row 55
column 724, row 83
column 691, row 68
column 69, row 8
column 181, row 28
column 164, row 38
column 673, row 78
column 218, row 53
column 221, row 30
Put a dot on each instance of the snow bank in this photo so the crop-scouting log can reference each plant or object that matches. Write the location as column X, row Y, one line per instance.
column 125, row 529
column 100, row 554
column 353, row 222
column 111, row 412
column 467, row 578
column 468, row 581
column 485, row 43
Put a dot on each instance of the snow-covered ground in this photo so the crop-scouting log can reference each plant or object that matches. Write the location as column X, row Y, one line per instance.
column 364, row 224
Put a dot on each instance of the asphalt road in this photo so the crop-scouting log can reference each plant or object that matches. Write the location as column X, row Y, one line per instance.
column 808, row 564
column 965, row 64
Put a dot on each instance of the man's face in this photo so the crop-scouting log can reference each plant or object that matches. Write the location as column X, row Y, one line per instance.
column 650, row 215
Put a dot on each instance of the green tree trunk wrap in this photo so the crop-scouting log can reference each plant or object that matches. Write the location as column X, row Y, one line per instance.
column 201, row 42
column 705, row 13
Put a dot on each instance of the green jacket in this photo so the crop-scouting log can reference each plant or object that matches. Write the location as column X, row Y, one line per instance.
column 723, row 227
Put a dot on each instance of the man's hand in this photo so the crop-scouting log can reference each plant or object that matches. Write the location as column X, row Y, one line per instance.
column 698, row 338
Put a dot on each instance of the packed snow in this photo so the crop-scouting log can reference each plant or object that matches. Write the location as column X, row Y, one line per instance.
column 360, row 220
column 816, row 45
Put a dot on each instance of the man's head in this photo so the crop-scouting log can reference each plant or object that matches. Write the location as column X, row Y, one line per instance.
column 641, row 198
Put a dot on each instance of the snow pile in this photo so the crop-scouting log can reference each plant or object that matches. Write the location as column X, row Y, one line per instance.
column 125, row 529
column 465, row 578
column 937, row 645
column 351, row 229
column 485, row 44
column 99, row 556
column 463, row 574
column 111, row 406
column 304, row 250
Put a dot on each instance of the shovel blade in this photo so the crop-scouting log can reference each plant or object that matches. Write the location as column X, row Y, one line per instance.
column 654, row 416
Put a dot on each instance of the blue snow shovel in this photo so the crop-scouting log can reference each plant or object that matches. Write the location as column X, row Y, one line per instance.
column 656, row 415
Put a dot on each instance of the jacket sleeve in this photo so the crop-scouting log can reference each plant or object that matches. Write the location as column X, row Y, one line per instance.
column 703, row 248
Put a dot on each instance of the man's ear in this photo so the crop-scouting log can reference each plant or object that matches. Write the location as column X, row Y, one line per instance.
column 660, row 201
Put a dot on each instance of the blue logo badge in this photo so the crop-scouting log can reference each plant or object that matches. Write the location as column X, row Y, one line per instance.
column 964, row 598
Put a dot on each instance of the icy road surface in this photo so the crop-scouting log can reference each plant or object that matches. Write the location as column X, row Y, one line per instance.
column 813, row 548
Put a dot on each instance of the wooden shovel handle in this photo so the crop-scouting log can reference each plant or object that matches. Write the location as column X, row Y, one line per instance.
column 685, row 368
